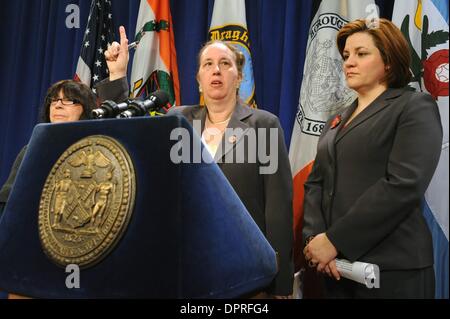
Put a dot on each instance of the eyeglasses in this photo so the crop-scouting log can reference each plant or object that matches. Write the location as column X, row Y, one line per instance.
column 64, row 101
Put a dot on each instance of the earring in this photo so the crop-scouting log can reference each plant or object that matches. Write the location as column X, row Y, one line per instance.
column 200, row 89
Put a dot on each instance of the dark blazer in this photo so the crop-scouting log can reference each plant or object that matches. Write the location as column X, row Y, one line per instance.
column 116, row 90
column 267, row 197
column 6, row 188
column 369, row 178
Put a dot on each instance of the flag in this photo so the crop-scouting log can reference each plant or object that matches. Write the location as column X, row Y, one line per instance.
column 425, row 26
column 91, row 67
column 323, row 93
column 229, row 23
column 155, row 60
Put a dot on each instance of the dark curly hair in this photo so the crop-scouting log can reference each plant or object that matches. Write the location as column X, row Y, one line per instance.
column 72, row 90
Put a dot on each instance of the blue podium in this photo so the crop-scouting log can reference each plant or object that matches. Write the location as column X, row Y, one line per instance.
column 189, row 235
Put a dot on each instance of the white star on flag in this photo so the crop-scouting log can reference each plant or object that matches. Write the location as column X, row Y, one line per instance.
column 91, row 67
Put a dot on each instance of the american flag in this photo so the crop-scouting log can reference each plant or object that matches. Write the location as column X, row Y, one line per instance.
column 99, row 34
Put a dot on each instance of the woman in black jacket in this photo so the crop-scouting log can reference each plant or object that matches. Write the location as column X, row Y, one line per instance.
column 373, row 165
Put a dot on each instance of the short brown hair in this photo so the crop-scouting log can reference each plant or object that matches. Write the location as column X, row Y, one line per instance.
column 391, row 43
column 72, row 90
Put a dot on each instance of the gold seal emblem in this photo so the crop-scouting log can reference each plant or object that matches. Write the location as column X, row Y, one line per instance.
column 87, row 201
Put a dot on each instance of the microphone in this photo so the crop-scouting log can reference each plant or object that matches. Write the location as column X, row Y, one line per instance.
column 156, row 100
column 109, row 109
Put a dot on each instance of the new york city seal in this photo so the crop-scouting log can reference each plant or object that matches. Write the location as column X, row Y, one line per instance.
column 87, row 202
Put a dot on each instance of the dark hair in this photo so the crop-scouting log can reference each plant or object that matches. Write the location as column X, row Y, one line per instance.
column 239, row 57
column 391, row 43
column 72, row 90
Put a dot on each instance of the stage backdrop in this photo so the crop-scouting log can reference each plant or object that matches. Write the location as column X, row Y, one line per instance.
column 39, row 49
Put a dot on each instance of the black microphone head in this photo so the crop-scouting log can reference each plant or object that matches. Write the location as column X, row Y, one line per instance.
column 125, row 115
column 98, row 113
column 162, row 98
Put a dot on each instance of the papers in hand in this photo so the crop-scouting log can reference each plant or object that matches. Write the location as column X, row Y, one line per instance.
column 364, row 273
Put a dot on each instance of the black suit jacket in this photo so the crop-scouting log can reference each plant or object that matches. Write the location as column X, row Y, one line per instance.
column 267, row 197
column 368, row 180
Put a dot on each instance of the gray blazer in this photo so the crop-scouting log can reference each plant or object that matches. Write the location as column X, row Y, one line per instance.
column 267, row 197
column 369, row 178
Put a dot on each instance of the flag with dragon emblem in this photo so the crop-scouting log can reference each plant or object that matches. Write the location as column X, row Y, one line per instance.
column 229, row 23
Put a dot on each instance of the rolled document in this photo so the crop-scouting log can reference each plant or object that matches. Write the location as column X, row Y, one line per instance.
column 364, row 273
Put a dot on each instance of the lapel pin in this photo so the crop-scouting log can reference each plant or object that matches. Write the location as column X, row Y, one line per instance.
column 232, row 139
column 336, row 121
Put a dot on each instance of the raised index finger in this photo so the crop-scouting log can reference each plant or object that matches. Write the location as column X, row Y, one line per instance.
column 123, row 37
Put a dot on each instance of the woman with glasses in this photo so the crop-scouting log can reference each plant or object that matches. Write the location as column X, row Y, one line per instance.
column 68, row 101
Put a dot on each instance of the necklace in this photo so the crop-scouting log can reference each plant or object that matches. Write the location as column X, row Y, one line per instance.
column 211, row 130
column 220, row 122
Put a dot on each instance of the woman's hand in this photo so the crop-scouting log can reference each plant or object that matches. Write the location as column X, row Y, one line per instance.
column 117, row 57
column 320, row 252
column 331, row 270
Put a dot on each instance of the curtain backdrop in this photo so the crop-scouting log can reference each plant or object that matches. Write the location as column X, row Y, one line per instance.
column 38, row 50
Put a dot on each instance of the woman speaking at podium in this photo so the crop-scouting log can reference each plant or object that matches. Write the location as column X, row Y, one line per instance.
column 267, row 197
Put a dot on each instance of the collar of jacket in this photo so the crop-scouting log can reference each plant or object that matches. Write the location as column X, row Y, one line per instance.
column 237, row 123
column 382, row 101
